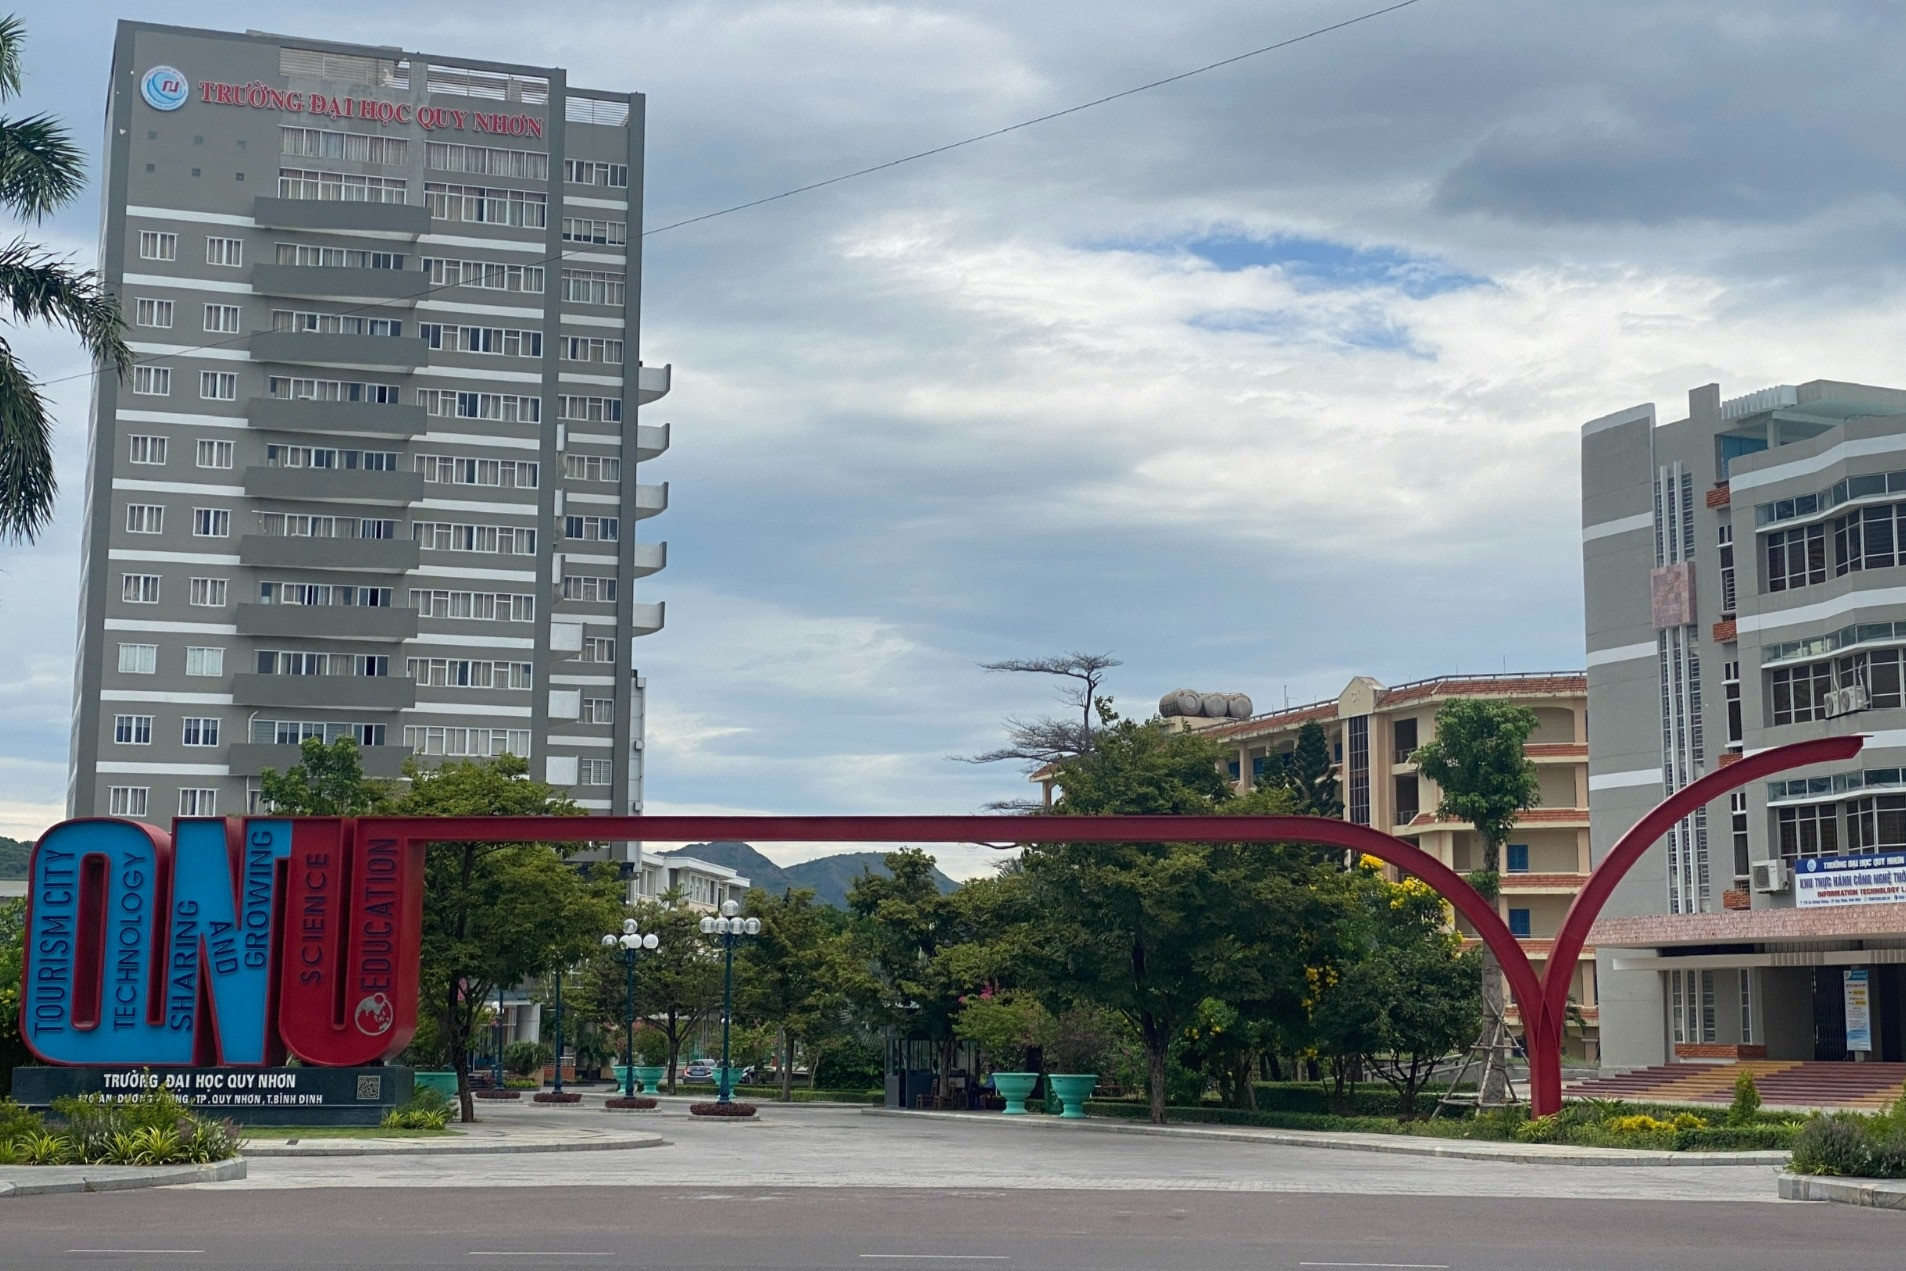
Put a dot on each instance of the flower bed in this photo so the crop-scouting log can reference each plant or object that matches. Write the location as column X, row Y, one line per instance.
column 553, row 1096
column 722, row 1109
column 630, row 1103
column 499, row 1094
column 152, row 1128
column 1854, row 1145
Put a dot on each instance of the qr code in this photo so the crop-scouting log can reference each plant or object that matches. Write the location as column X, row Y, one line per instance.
column 370, row 1087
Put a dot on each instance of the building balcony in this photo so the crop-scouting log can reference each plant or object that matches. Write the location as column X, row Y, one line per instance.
column 1726, row 631
column 327, row 622
column 357, row 352
column 1552, row 752
column 652, row 383
column 335, row 485
column 346, row 692
column 650, row 500
column 399, row 220
column 1530, row 883
column 647, row 619
column 651, row 440
column 363, row 555
column 308, row 282
column 252, row 758
column 650, row 558
column 337, row 419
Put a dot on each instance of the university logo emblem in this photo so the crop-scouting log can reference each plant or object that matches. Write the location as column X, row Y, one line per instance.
column 165, row 88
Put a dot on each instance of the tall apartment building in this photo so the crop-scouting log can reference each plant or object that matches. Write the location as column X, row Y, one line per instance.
column 1744, row 587
column 375, row 473
column 1372, row 731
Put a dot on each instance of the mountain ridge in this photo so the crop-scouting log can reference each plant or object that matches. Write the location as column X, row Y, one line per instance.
column 828, row 876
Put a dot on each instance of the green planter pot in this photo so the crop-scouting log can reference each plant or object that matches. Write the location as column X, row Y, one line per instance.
column 1073, row 1089
column 651, row 1076
column 1016, row 1087
column 444, row 1083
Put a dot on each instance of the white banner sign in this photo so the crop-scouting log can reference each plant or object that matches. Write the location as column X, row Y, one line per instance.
column 1850, row 880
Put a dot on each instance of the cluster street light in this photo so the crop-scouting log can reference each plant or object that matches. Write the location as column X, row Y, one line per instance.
column 629, row 941
column 728, row 927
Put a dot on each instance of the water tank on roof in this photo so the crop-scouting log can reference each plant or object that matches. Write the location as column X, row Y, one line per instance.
column 1180, row 701
column 1238, row 705
column 1185, row 703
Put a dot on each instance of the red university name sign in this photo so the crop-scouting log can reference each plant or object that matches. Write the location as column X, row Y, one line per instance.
column 258, row 95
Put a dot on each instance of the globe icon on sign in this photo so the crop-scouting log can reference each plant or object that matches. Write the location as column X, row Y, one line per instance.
column 375, row 1014
column 165, row 88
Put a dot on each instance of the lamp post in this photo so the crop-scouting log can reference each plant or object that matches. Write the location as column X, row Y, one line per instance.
column 728, row 927
column 629, row 941
column 497, row 1068
column 560, row 972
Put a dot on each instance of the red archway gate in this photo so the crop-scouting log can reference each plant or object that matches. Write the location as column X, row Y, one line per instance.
column 343, row 955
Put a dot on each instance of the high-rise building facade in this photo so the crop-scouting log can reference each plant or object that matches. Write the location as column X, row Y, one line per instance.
column 1744, row 581
column 376, row 471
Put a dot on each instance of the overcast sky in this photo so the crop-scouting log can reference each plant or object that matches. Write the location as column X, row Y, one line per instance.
column 1259, row 381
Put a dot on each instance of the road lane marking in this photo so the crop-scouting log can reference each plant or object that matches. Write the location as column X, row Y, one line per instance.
column 946, row 1257
column 1408, row 1266
column 135, row 1251
column 539, row 1253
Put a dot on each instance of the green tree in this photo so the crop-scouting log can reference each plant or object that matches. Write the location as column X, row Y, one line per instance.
column 1309, row 774
column 327, row 780
column 41, row 170
column 496, row 914
column 1479, row 761
column 12, row 961
column 904, row 927
column 1151, row 930
column 792, row 977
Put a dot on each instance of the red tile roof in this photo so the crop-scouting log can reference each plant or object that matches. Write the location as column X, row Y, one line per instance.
column 1744, row 925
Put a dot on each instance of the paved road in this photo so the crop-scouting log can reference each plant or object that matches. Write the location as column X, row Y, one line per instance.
column 856, row 1229
column 826, row 1147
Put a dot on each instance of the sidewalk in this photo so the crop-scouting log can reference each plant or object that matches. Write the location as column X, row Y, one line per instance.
column 50, row 1180
column 1393, row 1144
column 491, row 1137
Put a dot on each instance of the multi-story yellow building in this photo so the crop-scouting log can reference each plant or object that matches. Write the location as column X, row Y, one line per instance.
column 1372, row 731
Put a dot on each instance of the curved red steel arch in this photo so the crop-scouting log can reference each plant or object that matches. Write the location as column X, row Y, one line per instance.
column 1543, row 1000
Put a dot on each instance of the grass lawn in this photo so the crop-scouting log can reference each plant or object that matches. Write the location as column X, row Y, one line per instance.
column 278, row 1133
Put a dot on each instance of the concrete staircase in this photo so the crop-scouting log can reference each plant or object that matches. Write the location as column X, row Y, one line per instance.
column 1787, row 1083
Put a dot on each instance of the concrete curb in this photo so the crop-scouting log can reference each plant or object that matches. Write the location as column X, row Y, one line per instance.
column 452, row 1147
column 152, row 1176
column 1873, row 1193
column 1399, row 1145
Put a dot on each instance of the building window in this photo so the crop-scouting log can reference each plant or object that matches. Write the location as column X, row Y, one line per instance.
column 498, row 341
column 1726, row 533
column 1731, row 689
column 1796, row 558
column 127, row 800
column 607, row 410
column 152, row 381
column 470, row 673
column 310, row 256
column 215, row 454
column 1867, row 539
column 211, row 523
column 591, row 529
column 475, row 742
column 204, row 660
column 285, row 387
column 507, row 407
column 195, row 801
column 503, row 473
column 1402, row 740
column 1518, row 858
column 158, row 245
column 588, row 588
column 1359, row 801
column 324, row 143
column 1746, row 975
column 589, row 348
column 607, row 233
column 447, row 536
column 1691, row 1004
column 225, row 251
column 479, row 606
column 145, row 518
column 1873, row 675
column 153, row 313
column 145, row 449
column 1737, row 815
column 222, row 319
column 592, row 287
column 598, row 649
column 1812, row 830
column 138, row 659
column 589, row 172
column 591, row 468
column 199, row 731
column 596, row 772
column 598, row 710
column 484, row 274
column 1519, row 923
column 139, row 589
column 209, row 592
column 1797, row 694
column 519, row 209
column 344, row 187
column 132, row 730
column 525, row 165
column 330, row 457
column 311, row 322
column 1876, row 823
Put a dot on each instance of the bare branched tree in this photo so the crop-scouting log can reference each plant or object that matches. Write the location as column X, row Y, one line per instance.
column 1047, row 740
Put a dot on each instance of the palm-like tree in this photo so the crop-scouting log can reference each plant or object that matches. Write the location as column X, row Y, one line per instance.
column 40, row 170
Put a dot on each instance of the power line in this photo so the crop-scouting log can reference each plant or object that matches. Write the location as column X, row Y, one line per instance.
column 1039, row 119
column 845, row 176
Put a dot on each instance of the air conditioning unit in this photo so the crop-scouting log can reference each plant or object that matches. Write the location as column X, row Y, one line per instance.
column 1769, row 877
column 1844, row 701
